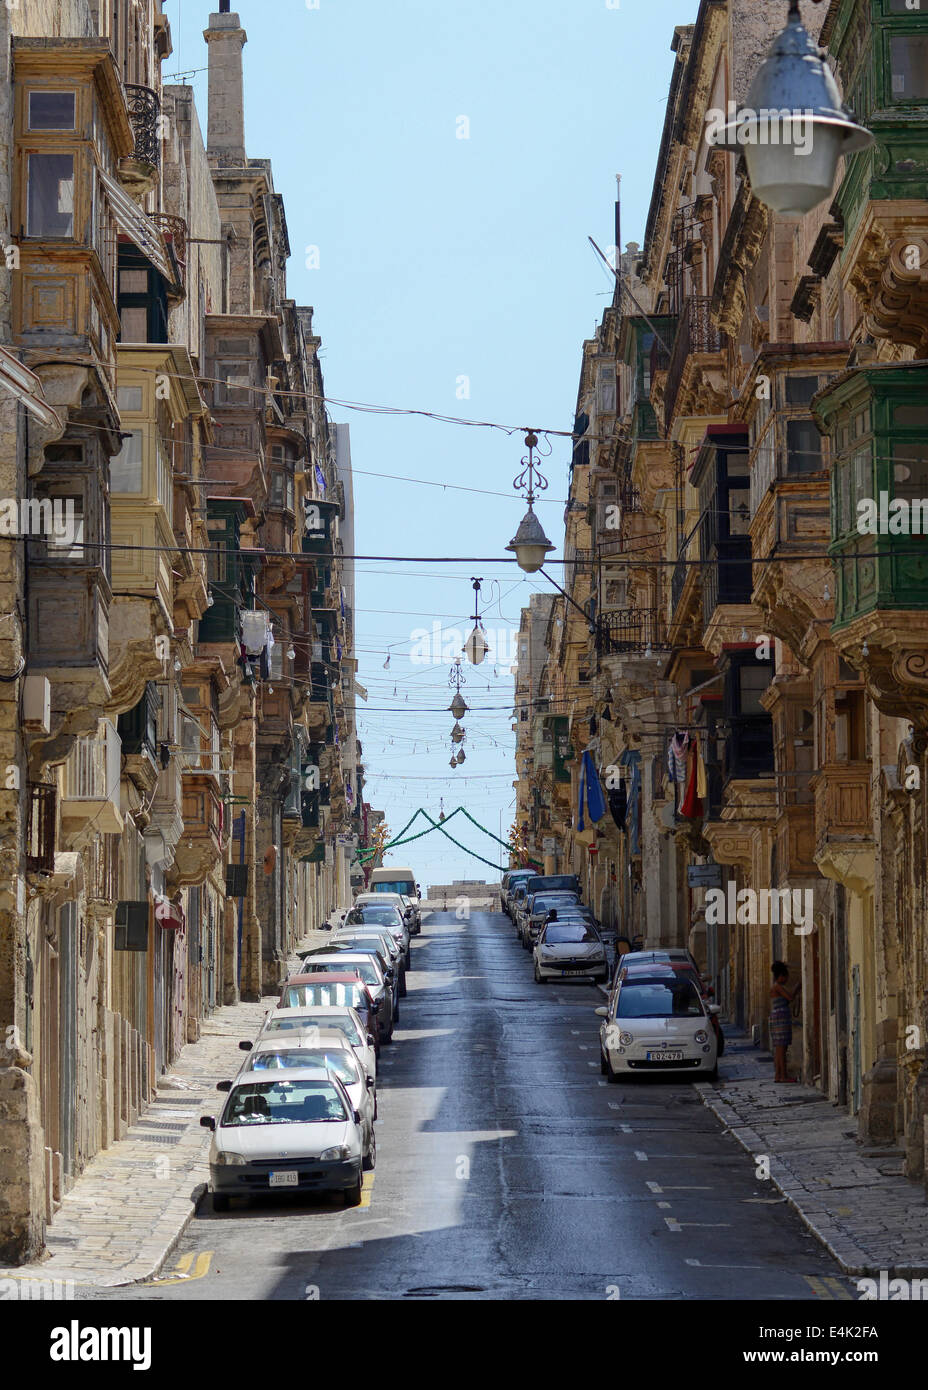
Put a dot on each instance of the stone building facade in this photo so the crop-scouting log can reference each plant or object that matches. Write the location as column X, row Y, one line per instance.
column 768, row 384
column 182, row 791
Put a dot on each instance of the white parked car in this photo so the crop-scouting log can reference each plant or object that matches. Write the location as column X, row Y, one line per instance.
column 284, row 1023
column 570, row 949
column 293, row 1131
column 657, row 1024
column 319, row 1047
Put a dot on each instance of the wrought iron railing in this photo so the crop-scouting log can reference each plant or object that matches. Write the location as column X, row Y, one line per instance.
column 632, row 630
column 40, row 827
column 145, row 117
column 174, row 230
column 696, row 333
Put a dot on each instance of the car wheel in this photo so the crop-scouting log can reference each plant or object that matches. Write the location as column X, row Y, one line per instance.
column 402, row 990
column 614, row 1076
column 407, row 961
column 721, row 1042
column 352, row 1196
column 376, row 1107
column 603, row 1064
column 539, row 978
column 220, row 1202
column 371, row 1158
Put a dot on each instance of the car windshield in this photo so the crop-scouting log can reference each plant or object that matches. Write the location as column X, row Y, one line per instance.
column 363, row 943
column 396, row 885
column 664, row 998
column 543, row 904
column 388, row 915
column 366, row 969
column 284, row 1103
column 557, row 935
column 339, row 995
column 306, row 1021
column 341, row 1063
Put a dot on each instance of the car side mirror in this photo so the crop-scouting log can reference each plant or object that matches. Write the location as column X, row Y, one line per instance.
column 223, row 1085
column 715, row 1008
column 370, row 1081
column 371, row 1040
column 356, row 1116
column 208, row 1122
column 602, row 1011
column 245, row 1045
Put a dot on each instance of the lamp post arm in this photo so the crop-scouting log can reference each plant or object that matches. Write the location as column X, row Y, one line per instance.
column 582, row 611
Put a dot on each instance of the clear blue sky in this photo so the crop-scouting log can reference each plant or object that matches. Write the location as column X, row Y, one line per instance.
column 442, row 258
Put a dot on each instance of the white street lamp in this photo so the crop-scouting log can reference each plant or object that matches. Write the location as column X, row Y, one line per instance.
column 794, row 127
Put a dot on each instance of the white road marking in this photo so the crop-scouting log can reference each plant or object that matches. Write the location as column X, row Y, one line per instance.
column 664, row 1204
column 655, row 1187
column 641, row 1156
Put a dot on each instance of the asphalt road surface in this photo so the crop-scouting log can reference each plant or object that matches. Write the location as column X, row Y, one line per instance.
column 507, row 1168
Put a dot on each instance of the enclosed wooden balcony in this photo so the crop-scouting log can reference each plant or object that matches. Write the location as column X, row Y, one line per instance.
column 90, row 783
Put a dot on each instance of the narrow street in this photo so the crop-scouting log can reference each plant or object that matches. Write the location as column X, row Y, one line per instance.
column 508, row 1168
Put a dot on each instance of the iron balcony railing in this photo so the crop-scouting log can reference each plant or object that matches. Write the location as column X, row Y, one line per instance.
column 40, row 828
column 632, row 630
column 696, row 333
column 145, row 117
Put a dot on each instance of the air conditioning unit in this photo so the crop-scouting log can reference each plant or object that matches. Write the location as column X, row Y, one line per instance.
column 37, row 704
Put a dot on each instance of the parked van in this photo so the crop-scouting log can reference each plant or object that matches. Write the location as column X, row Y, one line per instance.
column 393, row 881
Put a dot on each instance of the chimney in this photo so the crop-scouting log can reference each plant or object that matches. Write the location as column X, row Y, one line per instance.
column 225, row 140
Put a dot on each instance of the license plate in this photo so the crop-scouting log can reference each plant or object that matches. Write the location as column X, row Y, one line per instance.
column 290, row 1178
column 574, row 971
column 665, row 1056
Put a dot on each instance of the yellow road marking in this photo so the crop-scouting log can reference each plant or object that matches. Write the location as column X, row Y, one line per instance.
column 818, row 1288
column 367, row 1188
column 839, row 1289
column 182, row 1273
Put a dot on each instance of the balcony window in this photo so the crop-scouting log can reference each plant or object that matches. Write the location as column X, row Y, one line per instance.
column 910, row 469
column 803, row 447
column 50, row 196
column 70, row 510
column 142, row 299
column 800, row 389
column 753, row 681
column 909, row 67
column 51, row 110
column 126, row 466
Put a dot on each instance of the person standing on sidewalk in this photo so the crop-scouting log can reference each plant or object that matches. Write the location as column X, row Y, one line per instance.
column 781, row 1019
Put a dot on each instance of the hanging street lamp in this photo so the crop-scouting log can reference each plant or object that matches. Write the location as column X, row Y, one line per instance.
column 530, row 545
column 456, row 679
column 794, row 127
column 476, row 646
column 457, row 734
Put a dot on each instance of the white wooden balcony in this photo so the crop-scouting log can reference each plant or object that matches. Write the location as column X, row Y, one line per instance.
column 91, row 782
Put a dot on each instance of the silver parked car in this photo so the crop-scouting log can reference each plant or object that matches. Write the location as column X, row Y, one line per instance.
column 320, row 1047
column 570, row 949
column 368, row 971
column 285, row 1022
column 294, row 1131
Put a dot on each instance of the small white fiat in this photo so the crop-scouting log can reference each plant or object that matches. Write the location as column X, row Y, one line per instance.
column 657, row 1023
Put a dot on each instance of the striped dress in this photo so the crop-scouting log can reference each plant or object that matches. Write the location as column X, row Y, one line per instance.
column 781, row 1022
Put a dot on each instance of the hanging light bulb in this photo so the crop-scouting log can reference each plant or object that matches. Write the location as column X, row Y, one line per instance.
column 476, row 647
column 457, row 734
column 460, row 757
column 744, row 635
column 453, row 763
column 827, row 593
column 386, row 664
column 865, row 650
column 291, row 654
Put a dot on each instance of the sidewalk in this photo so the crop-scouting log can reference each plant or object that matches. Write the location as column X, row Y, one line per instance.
column 129, row 1207
column 851, row 1196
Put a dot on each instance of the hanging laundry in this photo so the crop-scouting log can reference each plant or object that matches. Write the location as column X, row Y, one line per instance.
column 255, row 631
column 691, row 807
column 677, row 755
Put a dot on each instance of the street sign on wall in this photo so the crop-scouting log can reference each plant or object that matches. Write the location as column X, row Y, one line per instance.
column 704, row 875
